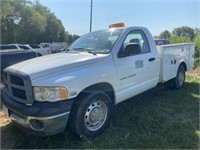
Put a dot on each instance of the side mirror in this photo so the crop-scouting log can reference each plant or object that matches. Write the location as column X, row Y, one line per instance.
column 132, row 49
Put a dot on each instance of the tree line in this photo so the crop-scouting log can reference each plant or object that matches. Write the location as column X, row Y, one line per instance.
column 183, row 34
column 23, row 21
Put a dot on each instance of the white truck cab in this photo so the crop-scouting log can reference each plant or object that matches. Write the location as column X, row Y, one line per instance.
column 81, row 85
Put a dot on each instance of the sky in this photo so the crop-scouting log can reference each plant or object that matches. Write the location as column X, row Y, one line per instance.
column 156, row 15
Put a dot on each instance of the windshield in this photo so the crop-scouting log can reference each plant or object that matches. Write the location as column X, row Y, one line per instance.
column 96, row 42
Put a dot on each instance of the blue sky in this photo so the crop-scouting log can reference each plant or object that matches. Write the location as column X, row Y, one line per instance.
column 156, row 15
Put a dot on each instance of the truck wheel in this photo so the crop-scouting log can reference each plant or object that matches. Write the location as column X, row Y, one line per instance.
column 178, row 82
column 91, row 114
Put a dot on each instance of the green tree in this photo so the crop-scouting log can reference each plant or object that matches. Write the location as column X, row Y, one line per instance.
column 31, row 26
column 197, row 46
column 9, row 18
column 53, row 29
column 71, row 38
column 41, row 9
column 165, row 35
column 176, row 39
column 63, row 35
column 184, row 31
column 197, row 31
column 197, row 42
column 25, row 22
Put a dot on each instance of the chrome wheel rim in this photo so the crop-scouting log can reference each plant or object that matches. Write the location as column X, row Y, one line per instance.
column 95, row 115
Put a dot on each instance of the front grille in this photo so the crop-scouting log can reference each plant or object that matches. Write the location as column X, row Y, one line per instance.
column 18, row 86
column 16, row 80
column 5, row 76
column 19, row 93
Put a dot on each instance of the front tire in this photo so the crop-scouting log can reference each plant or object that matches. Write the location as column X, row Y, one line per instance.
column 91, row 114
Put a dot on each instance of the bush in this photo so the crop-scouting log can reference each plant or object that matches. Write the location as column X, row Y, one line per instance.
column 176, row 39
column 197, row 46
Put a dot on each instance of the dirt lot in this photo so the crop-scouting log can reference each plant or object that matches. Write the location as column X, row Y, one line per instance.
column 195, row 72
column 4, row 120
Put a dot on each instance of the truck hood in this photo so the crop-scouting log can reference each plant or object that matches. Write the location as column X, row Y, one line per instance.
column 48, row 64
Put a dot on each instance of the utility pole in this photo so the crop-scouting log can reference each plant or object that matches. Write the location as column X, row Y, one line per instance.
column 91, row 16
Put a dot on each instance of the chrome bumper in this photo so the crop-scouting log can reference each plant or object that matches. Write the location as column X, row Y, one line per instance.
column 43, row 126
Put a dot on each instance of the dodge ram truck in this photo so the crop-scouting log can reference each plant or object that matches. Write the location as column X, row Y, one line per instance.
column 80, row 86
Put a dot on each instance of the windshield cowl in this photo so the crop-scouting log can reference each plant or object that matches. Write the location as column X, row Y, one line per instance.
column 82, row 50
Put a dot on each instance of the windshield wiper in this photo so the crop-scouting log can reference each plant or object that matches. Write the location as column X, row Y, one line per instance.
column 91, row 52
column 85, row 50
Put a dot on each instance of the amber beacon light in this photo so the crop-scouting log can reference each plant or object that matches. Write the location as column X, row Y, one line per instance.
column 120, row 24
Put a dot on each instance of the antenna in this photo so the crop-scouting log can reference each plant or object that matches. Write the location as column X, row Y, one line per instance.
column 91, row 15
column 108, row 11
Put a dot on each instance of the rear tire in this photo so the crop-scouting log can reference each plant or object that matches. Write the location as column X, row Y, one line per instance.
column 91, row 114
column 179, row 81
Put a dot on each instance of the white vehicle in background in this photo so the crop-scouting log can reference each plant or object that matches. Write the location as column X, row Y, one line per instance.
column 57, row 47
column 54, row 47
column 39, row 49
column 32, row 47
column 10, row 48
column 24, row 47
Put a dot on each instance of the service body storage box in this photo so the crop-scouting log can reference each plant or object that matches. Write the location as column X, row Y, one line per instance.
column 172, row 56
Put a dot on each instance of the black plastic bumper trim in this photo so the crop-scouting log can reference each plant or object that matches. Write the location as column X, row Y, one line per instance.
column 37, row 109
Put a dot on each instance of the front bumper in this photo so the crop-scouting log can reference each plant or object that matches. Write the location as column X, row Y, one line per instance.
column 39, row 119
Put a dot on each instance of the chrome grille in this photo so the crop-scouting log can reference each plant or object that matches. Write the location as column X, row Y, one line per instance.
column 18, row 86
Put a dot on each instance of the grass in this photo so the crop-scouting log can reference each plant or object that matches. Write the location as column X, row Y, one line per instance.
column 159, row 119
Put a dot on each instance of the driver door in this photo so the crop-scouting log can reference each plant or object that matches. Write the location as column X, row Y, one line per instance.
column 136, row 73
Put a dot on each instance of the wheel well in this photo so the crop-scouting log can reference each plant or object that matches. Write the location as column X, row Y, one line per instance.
column 104, row 87
column 184, row 65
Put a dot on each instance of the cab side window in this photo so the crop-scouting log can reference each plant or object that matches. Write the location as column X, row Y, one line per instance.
column 136, row 37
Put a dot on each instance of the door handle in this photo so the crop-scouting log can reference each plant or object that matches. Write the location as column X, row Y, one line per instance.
column 152, row 59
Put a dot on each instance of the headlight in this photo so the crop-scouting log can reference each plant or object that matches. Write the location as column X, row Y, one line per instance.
column 50, row 94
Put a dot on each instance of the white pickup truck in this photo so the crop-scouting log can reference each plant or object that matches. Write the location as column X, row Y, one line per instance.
column 81, row 85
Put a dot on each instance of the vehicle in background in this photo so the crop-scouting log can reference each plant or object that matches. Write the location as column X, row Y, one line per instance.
column 9, row 48
column 64, row 49
column 45, row 45
column 12, row 54
column 33, row 47
column 161, row 42
column 21, row 46
column 39, row 49
column 54, row 47
column 25, row 47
